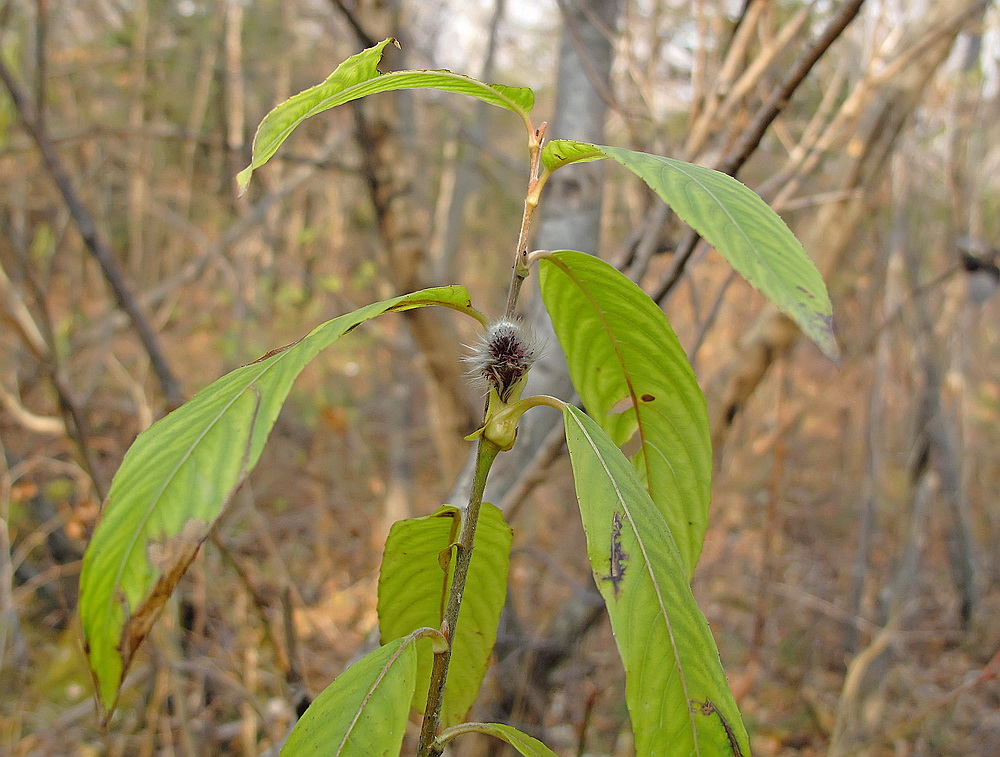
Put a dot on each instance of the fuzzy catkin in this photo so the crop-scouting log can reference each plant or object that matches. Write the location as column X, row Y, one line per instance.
column 502, row 356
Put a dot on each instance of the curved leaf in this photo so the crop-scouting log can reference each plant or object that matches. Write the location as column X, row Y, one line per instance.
column 363, row 712
column 527, row 745
column 358, row 77
column 176, row 479
column 561, row 152
column 634, row 379
column 740, row 225
column 413, row 591
column 675, row 686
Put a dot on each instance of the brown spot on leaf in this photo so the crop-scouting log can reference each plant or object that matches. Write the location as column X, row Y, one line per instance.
column 619, row 558
column 707, row 708
column 164, row 554
column 647, row 398
column 170, row 558
column 276, row 350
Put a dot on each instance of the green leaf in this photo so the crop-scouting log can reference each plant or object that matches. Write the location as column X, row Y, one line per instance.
column 357, row 77
column 522, row 742
column 741, row 226
column 675, row 686
column 561, row 152
column 363, row 712
column 635, row 380
column 413, row 592
column 176, row 479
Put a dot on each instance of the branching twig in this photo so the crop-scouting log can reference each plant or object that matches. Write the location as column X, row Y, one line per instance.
column 741, row 152
column 782, row 93
column 93, row 240
column 988, row 673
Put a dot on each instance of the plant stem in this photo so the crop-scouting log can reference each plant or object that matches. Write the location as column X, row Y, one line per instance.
column 486, row 453
column 520, row 272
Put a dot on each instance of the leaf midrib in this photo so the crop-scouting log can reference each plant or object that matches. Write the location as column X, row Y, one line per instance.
column 614, row 345
column 678, row 166
column 393, row 658
column 265, row 367
column 336, row 99
column 645, row 556
column 645, row 444
column 127, row 555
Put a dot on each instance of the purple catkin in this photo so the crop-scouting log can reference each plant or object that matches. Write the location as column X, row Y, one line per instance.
column 503, row 355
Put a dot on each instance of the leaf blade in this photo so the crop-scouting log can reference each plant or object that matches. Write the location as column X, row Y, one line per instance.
column 364, row 711
column 672, row 666
column 527, row 745
column 413, row 591
column 634, row 378
column 174, row 482
column 743, row 228
column 358, row 77
column 560, row 152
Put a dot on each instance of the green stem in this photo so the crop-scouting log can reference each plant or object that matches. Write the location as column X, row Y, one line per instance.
column 486, row 453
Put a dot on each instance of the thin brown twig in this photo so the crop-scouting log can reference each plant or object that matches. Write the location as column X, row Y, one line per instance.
column 363, row 35
column 772, row 530
column 586, row 60
column 41, row 61
column 989, row 672
column 93, row 240
column 713, row 313
column 534, row 474
column 259, row 602
column 782, row 93
column 520, row 268
column 74, row 419
column 748, row 144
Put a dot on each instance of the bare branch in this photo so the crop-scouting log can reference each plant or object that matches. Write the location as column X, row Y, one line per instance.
column 93, row 240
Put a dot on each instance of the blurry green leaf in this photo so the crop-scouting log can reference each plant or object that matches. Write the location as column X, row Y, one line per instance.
column 363, row 712
column 331, row 283
column 43, row 244
column 413, row 592
column 675, row 686
column 739, row 224
column 176, row 479
column 634, row 379
column 357, row 77
column 522, row 742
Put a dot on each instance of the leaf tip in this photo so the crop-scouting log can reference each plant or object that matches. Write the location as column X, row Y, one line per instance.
column 826, row 339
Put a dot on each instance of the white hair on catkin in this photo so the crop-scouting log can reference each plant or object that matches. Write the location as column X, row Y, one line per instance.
column 503, row 354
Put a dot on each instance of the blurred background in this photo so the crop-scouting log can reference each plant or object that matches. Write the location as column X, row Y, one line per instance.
column 850, row 572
